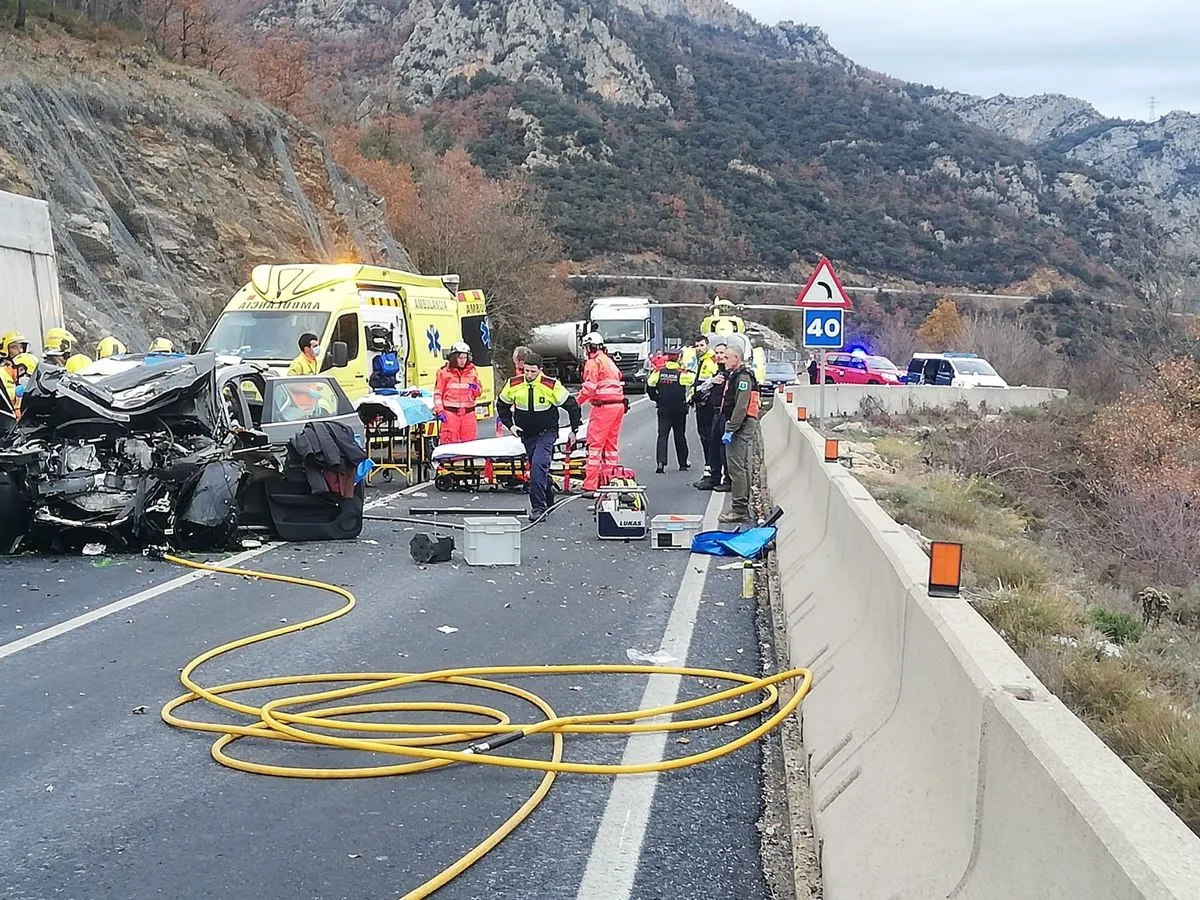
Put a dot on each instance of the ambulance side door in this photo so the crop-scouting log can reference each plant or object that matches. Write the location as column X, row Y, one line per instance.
column 353, row 376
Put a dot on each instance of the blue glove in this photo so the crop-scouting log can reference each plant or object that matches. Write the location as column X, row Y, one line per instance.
column 727, row 438
column 476, row 389
column 441, row 417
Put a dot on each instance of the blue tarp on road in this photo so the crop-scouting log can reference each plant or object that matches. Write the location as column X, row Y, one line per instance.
column 748, row 544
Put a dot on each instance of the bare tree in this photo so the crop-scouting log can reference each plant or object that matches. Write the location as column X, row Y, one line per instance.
column 1010, row 346
column 22, row 12
column 896, row 340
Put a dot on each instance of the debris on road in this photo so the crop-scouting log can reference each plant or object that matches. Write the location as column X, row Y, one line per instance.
column 658, row 658
column 447, row 629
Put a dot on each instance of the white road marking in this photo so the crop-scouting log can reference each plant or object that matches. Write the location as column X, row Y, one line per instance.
column 94, row 615
column 618, row 847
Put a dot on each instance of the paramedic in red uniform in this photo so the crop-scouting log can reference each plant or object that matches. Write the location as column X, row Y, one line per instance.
column 454, row 395
column 602, row 388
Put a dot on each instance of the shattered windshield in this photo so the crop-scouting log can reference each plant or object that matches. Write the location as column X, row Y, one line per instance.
column 264, row 334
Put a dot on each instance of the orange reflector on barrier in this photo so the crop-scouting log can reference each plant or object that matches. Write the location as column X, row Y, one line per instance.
column 945, row 568
column 791, row 398
column 801, row 413
column 831, row 450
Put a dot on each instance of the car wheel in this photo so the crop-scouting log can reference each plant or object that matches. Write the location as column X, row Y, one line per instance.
column 873, row 381
column 828, row 380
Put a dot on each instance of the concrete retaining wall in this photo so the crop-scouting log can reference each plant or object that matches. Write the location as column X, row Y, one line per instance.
column 846, row 399
column 940, row 766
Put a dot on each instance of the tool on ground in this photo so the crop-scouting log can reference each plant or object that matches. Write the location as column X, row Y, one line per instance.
column 427, row 548
column 674, row 532
column 316, row 715
column 621, row 510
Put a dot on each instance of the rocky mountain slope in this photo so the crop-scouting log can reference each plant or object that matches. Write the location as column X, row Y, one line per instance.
column 1161, row 159
column 683, row 134
column 166, row 186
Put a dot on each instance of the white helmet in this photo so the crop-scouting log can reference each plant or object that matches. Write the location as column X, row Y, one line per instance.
column 460, row 347
column 593, row 339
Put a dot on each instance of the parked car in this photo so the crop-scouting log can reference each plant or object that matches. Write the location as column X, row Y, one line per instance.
column 859, row 368
column 175, row 448
column 964, row 370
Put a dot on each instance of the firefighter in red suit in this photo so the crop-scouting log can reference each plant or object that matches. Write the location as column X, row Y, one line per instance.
column 602, row 388
column 454, row 395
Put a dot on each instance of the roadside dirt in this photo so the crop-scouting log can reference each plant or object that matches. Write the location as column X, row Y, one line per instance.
column 787, row 843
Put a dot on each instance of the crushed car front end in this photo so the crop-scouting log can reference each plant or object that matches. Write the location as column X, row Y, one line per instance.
column 142, row 454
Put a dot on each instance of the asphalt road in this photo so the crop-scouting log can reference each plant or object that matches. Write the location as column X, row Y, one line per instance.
column 105, row 804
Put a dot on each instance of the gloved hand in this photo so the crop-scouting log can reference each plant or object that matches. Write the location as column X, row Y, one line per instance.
column 476, row 389
column 572, row 439
column 625, row 400
column 727, row 438
column 441, row 417
column 516, row 430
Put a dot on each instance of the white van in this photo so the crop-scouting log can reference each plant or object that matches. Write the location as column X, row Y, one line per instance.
column 965, row 370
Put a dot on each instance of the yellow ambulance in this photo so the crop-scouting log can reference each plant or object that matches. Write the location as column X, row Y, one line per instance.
column 345, row 305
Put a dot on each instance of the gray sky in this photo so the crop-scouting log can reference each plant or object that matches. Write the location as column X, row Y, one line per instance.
column 1113, row 53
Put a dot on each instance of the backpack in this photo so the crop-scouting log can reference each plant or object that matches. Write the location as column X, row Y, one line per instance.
column 386, row 363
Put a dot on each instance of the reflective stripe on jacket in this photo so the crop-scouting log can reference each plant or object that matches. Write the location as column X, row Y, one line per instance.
column 533, row 405
column 453, row 388
column 601, row 381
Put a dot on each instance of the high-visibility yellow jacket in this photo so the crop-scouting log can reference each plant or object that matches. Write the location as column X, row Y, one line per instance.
column 533, row 405
column 302, row 365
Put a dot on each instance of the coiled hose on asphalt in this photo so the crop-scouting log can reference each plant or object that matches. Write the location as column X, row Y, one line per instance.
column 425, row 746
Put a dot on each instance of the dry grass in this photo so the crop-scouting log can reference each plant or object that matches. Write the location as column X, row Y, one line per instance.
column 1141, row 702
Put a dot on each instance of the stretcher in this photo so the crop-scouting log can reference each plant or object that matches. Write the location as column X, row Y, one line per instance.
column 500, row 464
column 397, row 434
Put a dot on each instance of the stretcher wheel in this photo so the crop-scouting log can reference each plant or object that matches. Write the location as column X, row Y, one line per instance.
column 387, row 475
column 444, row 483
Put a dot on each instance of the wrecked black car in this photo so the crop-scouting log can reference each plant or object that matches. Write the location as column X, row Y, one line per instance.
column 174, row 450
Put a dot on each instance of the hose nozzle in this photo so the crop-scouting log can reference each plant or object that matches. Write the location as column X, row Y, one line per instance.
column 486, row 746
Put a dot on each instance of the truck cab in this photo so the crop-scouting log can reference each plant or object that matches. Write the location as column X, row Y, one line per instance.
column 343, row 304
column 633, row 333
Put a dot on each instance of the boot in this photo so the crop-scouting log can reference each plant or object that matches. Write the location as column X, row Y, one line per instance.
column 704, row 484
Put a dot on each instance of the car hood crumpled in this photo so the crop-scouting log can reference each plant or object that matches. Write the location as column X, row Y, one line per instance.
column 180, row 390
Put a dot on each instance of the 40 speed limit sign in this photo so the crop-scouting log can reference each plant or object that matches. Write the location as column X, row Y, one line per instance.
column 823, row 329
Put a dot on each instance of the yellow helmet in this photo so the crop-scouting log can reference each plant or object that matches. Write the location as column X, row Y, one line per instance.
column 60, row 338
column 27, row 360
column 161, row 345
column 13, row 337
column 78, row 363
column 109, row 346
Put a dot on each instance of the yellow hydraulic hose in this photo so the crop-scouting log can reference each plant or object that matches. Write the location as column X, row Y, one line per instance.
column 423, row 744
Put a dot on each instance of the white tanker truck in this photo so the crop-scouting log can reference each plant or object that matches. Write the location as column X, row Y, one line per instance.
column 632, row 329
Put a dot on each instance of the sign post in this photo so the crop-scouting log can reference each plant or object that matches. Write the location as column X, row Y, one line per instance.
column 825, row 302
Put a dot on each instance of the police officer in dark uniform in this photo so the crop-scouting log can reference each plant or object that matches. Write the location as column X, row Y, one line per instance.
column 669, row 387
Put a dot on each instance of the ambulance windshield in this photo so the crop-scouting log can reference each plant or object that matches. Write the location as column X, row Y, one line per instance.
column 264, row 334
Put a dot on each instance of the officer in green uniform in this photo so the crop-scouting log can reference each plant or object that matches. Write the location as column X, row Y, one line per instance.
column 740, row 408
column 528, row 406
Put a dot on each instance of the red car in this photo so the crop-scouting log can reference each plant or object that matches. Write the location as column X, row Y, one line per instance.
column 856, row 368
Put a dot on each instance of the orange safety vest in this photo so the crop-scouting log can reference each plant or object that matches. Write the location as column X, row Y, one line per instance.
column 452, row 390
column 601, row 381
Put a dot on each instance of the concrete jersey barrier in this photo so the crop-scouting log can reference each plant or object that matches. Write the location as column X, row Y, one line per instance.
column 940, row 766
column 847, row 399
